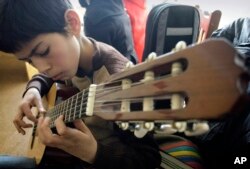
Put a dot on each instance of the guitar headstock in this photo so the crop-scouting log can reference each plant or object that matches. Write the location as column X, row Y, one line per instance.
column 204, row 79
column 177, row 91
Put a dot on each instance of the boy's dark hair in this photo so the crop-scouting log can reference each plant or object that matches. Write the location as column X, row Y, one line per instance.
column 23, row 20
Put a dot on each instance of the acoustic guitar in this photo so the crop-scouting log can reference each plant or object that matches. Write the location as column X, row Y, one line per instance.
column 200, row 82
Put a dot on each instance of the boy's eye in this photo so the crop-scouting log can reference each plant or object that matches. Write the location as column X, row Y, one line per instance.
column 45, row 53
column 29, row 60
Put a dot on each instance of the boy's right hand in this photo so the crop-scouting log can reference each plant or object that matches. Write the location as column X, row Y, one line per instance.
column 31, row 98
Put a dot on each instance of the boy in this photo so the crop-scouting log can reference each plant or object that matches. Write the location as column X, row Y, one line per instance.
column 47, row 34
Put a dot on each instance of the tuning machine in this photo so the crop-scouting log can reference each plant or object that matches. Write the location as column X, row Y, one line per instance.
column 189, row 128
column 164, row 127
column 196, row 128
column 140, row 128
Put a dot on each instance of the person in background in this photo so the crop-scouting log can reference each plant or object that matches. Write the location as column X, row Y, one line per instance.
column 137, row 12
column 47, row 34
column 229, row 138
column 238, row 33
column 107, row 21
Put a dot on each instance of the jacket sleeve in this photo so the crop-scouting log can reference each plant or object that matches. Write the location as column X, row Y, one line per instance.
column 41, row 82
column 227, row 32
column 127, row 152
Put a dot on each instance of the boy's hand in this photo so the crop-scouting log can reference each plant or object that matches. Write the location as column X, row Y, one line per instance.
column 30, row 99
column 77, row 141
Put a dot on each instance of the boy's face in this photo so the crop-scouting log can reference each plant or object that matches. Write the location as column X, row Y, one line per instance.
column 53, row 54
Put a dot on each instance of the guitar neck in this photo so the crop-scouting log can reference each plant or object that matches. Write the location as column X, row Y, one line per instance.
column 77, row 106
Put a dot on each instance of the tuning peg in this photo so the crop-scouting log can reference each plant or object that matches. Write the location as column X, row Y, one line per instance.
column 151, row 57
column 141, row 128
column 176, row 68
column 165, row 128
column 179, row 46
column 123, row 125
column 129, row 65
column 140, row 131
column 148, row 76
column 197, row 128
column 132, row 126
column 180, row 126
column 149, row 126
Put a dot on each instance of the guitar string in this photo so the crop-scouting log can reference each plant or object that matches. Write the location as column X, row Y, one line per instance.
column 72, row 116
column 83, row 102
column 134, row 100
column 73, row 113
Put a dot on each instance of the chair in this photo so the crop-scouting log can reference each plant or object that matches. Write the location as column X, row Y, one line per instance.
column 209, row 22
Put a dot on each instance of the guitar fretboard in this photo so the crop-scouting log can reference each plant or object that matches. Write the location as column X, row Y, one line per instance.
column 72, row 108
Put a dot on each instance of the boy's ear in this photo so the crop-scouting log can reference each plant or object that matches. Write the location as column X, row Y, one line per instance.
column 73, row 22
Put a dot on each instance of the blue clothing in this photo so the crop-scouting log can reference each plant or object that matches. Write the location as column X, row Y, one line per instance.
column 107, row 21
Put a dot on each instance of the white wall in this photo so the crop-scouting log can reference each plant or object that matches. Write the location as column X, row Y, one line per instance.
column 231, row 9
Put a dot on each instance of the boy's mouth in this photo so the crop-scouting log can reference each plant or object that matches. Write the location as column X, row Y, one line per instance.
column 58, row 76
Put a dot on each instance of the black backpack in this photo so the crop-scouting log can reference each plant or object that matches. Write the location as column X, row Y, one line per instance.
column 168, row 24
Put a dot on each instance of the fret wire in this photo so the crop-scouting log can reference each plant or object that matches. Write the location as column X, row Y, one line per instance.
column 75, row 106
column 82, row 97
column 66, row 111
column 57, row 111
column 70, row 105
column 63, row 108
column 70, row 100
column 53, row 118
column 79, row 106
column 55, row 115
column 72, row 108
column 66, row 108
column 60, row 109
column 50, row 112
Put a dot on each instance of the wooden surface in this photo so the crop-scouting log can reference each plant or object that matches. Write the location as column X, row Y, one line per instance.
column 13, row 80
column 210, row 82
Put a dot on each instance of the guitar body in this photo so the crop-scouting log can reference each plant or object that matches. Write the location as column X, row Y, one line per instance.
column 37, row 150
column 48, row 157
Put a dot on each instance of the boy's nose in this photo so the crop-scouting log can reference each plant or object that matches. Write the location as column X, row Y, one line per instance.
column 41, row 64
